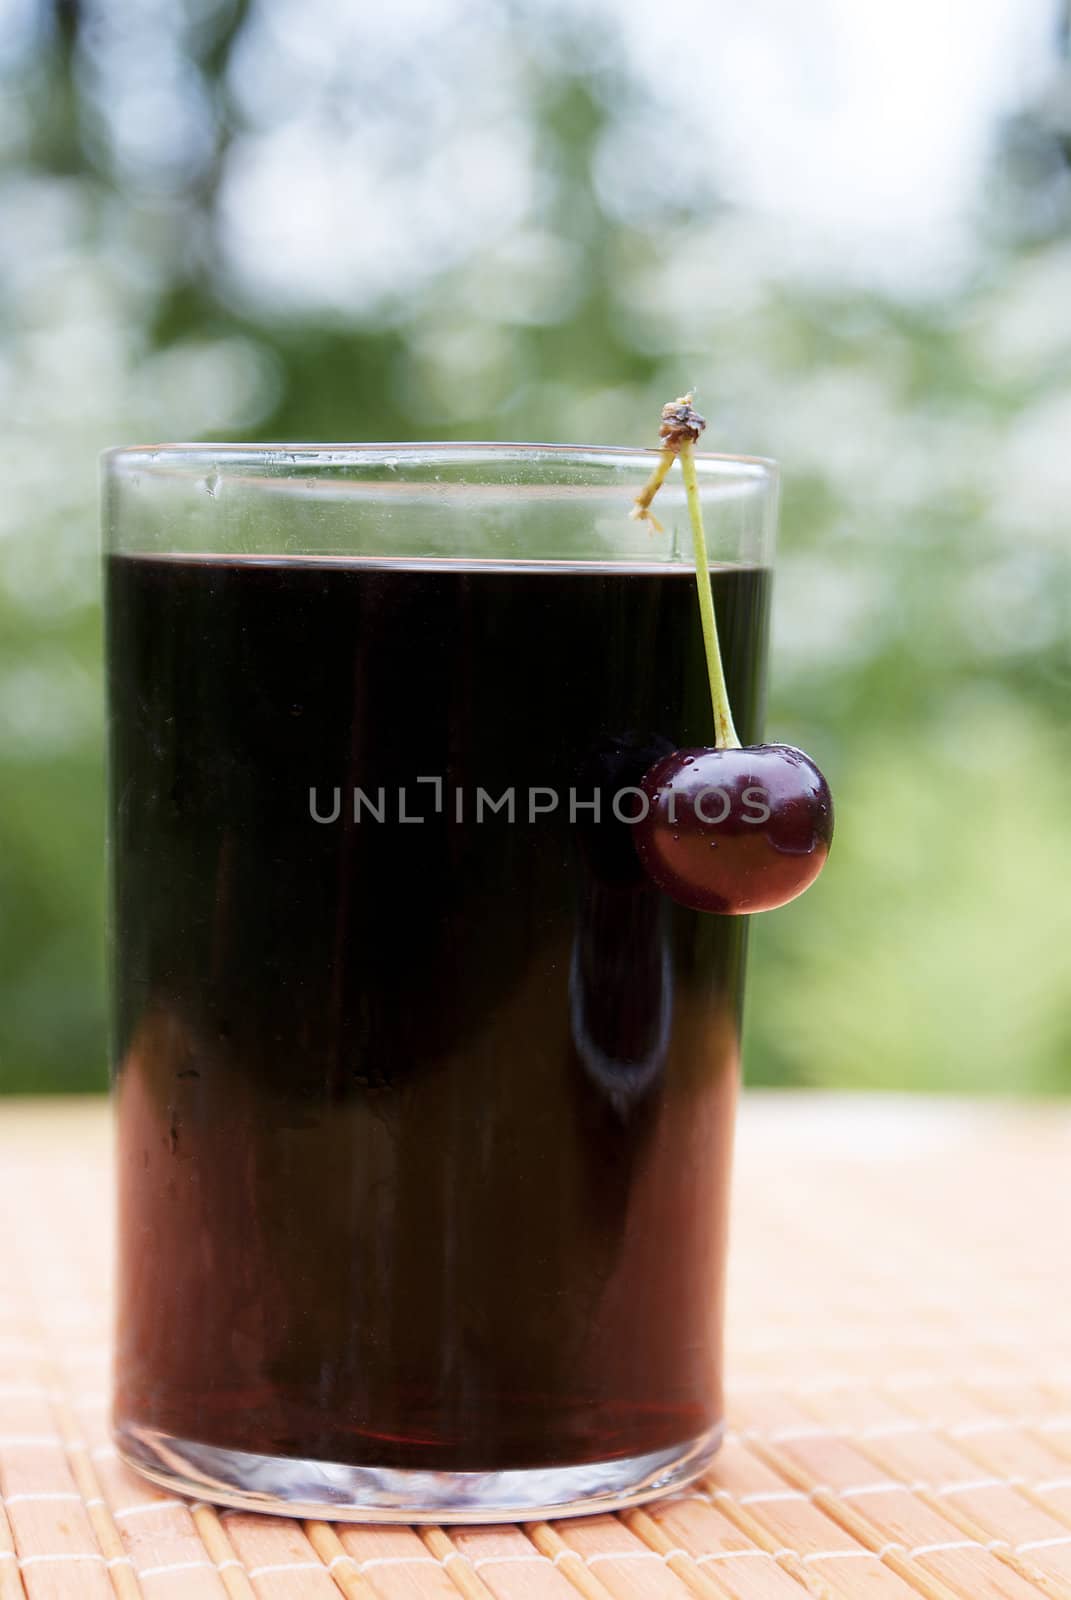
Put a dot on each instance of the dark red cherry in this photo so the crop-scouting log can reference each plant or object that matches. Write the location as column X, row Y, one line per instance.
column 735, row 830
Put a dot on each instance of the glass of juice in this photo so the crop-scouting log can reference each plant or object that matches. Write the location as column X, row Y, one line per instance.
column 425, row 1093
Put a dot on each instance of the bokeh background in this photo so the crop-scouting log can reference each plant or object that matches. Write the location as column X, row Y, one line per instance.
column 847, row 224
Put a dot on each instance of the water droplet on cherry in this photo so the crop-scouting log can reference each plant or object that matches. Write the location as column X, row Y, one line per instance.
column 764, row 811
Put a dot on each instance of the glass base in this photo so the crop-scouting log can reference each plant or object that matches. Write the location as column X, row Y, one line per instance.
column 338, row 1493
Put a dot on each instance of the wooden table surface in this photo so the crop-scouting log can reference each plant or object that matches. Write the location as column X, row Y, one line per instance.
column 899, row 1381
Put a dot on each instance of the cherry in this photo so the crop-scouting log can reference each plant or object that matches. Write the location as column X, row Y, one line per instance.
column 735, row 830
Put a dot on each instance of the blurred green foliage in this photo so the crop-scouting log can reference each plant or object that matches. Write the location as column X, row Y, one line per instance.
column 177, row 262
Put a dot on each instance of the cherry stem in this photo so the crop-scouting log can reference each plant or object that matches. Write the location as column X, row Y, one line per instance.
column 641, row 507
column 726, row 737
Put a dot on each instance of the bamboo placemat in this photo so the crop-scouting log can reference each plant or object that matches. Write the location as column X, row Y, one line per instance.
column 899, row 1376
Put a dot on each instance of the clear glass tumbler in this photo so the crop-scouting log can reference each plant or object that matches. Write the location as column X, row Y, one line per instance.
column 425, row 1094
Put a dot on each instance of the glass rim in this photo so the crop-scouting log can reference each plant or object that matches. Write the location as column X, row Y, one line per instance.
column 759, row 470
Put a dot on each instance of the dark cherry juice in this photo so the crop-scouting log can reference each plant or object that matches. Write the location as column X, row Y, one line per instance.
column 425, row 1101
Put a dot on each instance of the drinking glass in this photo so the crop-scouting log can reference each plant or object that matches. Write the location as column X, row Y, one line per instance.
column 424, row 1092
